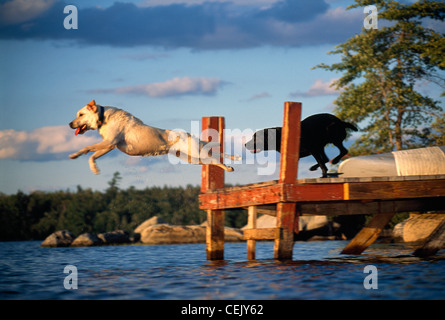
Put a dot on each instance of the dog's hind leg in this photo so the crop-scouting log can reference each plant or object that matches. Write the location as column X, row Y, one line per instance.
column 343, row 152
column 324, row 159
column 320, row 157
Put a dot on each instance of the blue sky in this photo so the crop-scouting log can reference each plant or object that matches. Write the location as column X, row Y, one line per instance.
column 168, row 63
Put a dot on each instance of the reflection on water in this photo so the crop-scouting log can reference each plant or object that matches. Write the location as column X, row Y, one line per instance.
column 317, row 271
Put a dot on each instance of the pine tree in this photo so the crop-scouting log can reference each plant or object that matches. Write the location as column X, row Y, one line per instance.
column 380, row 71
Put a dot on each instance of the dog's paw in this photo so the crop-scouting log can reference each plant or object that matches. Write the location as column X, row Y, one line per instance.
column 314, row 167
column 93, row 167
column 74, row 155
column 95, row 170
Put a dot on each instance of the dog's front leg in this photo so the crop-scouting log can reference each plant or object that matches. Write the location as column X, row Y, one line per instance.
column 94, row 147
column 98, row 154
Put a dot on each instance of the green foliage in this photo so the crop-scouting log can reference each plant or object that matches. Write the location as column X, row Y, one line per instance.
column 36, row 215
column 381, row 71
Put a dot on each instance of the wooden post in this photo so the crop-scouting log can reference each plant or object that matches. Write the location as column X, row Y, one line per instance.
column 368, row 234
column 212, row 177
column 290, row 153
column 251, row 224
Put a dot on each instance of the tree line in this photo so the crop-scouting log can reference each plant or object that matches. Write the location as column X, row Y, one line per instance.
column 36, row 215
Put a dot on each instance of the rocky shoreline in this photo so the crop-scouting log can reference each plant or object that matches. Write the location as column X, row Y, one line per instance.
column 313, row 228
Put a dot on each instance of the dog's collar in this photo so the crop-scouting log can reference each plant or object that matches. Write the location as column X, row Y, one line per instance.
column 101, row 116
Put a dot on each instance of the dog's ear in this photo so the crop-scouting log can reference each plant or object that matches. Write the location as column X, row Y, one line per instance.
column 92, row 106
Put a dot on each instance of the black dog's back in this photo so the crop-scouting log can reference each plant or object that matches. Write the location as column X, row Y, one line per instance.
column 316, row 132
column 320, row 129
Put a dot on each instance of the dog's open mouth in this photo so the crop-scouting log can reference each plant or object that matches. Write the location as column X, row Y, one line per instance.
column 81, row 130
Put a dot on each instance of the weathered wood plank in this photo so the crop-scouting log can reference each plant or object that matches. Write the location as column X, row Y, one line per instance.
column 336, row 208
column 286, row 217
column 212, row 177
column 396, row 189
column 251, row 224
column 370, row 179
column 261, row 234
column 290, row 142
column 290, row 154
column 368, row 234
column 275, row 193
column 312, row 192
column 434, row 243
column 215, row 235
column 270, row 194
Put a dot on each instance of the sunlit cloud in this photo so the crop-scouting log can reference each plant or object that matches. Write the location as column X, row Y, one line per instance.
column 46, row 143
column 170, row 88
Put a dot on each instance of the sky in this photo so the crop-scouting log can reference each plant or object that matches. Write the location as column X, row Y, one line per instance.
column 169, row 63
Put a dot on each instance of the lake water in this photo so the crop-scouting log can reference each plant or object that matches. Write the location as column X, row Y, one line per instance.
column 317, row 271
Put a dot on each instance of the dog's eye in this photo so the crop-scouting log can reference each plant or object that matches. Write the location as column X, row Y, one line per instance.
column 80, row 115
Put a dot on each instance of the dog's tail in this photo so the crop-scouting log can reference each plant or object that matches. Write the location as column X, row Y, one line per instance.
column 227, row 156
column 233, row 158
column 350, row 126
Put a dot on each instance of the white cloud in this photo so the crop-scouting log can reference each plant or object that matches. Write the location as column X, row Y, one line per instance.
column 319, row 88
column 46, row 143
column 17, row 11
column 257, row 96
column 175, row 87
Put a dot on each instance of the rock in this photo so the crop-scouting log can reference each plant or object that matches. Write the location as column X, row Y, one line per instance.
column 417, row 227
column 167, row 234
column 308, row 223
column 148, row 223
column 86, row 239
column 305, row 223
column 233, row 235
column 61, row 238
column 114, row 237
column 397, row 231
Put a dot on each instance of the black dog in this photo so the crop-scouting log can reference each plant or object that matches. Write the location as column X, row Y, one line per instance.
column 316, row 132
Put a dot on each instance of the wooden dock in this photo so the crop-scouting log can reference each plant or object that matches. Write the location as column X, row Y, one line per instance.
column 289, row 197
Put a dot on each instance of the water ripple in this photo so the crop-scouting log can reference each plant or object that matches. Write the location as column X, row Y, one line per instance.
column 318, row 271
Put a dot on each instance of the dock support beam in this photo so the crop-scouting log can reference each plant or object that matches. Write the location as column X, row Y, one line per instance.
column 287, row 218
column 251, row 224
column 212, row 177
column 368, row 234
